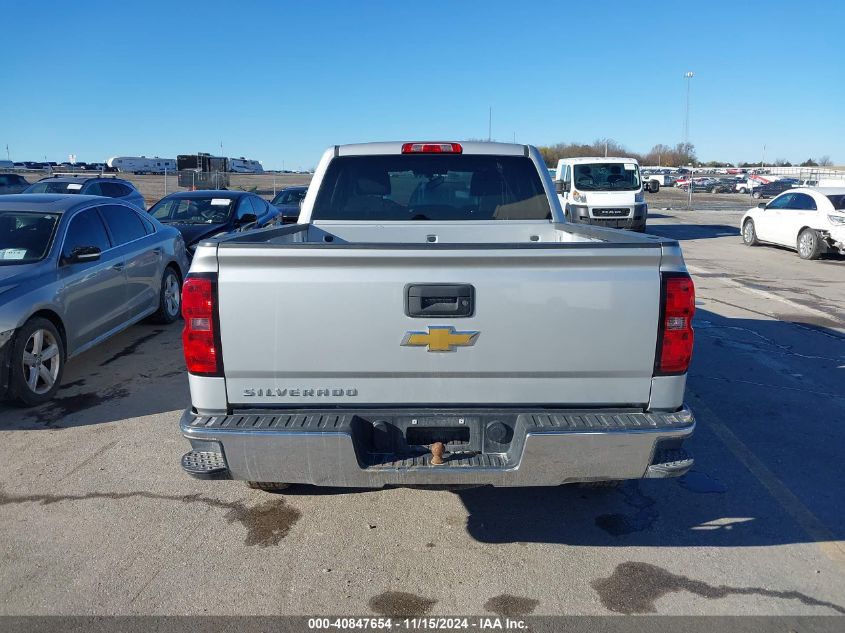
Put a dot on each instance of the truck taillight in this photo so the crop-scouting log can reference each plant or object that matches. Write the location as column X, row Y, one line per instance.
column 200, row 336
column 432, row 148
column 674, row 345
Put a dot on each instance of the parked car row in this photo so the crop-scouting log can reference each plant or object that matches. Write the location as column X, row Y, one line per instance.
column 81, row 260
column 707, row 184
column 52, row 165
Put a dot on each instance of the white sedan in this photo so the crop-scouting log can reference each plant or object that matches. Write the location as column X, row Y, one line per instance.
column 810, row 220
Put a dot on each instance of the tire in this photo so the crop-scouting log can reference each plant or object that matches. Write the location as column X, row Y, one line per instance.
column 714, row 190
column 268, row 486
column 809, row 245
column 749, row 233
column 742, row 190
column 756, row 195
column 169, row 298
column 37, row 346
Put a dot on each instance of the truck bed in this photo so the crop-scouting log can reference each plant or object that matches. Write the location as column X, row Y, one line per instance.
column 427, row 233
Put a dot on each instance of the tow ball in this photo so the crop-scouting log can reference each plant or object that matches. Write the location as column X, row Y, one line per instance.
column 437, row 453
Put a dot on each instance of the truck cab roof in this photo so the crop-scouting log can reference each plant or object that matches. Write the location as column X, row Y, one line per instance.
column 395, row 147
column 599, row 159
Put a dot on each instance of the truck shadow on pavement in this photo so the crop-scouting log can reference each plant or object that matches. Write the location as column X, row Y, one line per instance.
column 768, row 396
column 693, row 231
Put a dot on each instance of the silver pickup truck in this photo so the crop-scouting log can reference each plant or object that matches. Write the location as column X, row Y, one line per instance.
column 432, row 320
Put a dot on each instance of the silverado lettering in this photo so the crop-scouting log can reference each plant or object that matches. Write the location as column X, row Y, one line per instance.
column 249, row 392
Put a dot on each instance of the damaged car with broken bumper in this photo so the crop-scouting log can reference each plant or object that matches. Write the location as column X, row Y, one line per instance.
column 433, row 320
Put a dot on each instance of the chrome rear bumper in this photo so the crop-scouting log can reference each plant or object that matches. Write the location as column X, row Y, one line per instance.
column 375, row 448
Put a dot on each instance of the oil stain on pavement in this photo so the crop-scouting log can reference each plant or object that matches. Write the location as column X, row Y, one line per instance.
column 634, row 588
column 58, row 408
column 508, row 606
column 131, row 348
column 267, row 523
column 398, row 604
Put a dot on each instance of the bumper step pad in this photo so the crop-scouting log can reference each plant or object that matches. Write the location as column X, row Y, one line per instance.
column 204, row 464
column 669, row 463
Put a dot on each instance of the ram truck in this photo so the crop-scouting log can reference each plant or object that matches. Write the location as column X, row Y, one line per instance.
column 432, row 319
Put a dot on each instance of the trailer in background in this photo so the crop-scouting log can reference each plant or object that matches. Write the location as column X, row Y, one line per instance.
column 141, row 164
column 245, row 166
column 202, row 171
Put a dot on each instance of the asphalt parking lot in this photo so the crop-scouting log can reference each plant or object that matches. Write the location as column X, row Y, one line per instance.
column 97, row 517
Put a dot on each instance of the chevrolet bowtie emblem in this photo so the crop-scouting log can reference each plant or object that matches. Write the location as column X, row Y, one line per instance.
column 440, row 338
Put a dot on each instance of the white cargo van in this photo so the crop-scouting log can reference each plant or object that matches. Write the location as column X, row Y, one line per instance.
column 603, row 191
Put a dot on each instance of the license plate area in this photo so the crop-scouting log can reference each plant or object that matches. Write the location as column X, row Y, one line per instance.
column 427, row 435
column 407, row 436
column 611, row 213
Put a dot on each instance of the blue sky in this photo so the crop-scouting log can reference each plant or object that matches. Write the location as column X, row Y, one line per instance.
column 281, row 81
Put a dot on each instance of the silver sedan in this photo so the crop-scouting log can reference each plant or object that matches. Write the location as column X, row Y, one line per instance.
column 75, row 270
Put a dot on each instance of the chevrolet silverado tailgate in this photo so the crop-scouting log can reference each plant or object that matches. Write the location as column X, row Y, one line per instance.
column 325, row 326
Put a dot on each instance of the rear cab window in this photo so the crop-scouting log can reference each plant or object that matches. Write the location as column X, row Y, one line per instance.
column 437, row 187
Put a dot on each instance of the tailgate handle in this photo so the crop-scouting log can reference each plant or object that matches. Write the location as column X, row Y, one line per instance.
column 439, row 300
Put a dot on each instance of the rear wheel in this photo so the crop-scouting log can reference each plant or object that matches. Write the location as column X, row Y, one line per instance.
column 749, row 233
column 170, row 297
column 809, row 245
column 756, row 195
column 37, row 363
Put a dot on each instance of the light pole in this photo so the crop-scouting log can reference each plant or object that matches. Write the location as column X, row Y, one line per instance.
column 688, row 76
column 691, row 180
column 490, row 124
